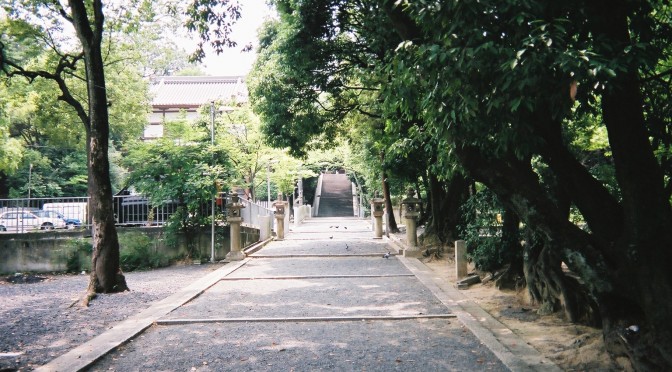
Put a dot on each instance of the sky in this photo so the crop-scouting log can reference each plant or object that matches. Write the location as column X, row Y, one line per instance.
column 233, row 61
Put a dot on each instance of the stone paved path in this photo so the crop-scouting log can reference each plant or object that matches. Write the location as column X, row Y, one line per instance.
column 322, row 299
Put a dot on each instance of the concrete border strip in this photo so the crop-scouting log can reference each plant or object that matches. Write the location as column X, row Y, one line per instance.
column 256, row 246
column 304, row 319
column 92, row 350
column 511, row 349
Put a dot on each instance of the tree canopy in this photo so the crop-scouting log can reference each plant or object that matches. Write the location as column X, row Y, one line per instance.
column 549, row 106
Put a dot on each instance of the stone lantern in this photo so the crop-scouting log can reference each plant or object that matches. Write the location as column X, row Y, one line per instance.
column 280, row 211
column 234, row 219
column 377, row 210
column 411, row 209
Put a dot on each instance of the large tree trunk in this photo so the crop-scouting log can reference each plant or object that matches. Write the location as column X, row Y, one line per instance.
column 617, row 287
column 511, row 252
column 445, row 200
column 517, row 186
column 106, row 273
column 389, row 208
column 554, row 289
column 644, row 248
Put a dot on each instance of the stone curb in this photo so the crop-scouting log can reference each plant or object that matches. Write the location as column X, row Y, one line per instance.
column 256, row 246
column 510, row 348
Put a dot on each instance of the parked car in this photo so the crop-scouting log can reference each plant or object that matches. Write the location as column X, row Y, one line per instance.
column 70, row 223
column 25, row 220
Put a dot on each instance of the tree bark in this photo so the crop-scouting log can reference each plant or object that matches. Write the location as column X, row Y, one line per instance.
column 518, row 188
column 106, row 275
column 553, row 289
column 511, row 252
column 644, row 245
column 445, row 202
column 389, row 208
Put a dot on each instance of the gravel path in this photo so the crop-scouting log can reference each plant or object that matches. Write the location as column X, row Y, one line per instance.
column 38, row 323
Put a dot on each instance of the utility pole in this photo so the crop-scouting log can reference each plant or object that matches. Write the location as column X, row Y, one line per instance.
column 212, row 142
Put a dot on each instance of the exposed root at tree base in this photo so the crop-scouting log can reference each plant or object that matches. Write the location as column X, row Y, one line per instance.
column 88, row 297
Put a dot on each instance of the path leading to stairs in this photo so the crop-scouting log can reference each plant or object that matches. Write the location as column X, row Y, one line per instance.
column 323, row 299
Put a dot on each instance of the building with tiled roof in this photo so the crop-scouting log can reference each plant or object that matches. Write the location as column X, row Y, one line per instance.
column 172, row 95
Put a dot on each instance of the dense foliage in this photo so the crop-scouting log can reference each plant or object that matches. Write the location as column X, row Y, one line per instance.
column 560, row 109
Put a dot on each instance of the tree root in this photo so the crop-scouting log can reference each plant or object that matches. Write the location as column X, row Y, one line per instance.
column 433, row 253
column 87, row 298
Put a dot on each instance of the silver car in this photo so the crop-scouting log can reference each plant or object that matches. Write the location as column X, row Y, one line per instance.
column 20, row 221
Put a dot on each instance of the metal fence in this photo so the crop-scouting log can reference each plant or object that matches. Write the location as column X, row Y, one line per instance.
column 129, row 210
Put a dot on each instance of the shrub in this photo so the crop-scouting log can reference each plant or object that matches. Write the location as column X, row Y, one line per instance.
column 138, row 252
column 482, row 230
column 79, row 255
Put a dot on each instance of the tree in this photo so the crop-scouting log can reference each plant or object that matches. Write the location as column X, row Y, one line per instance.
column 309, row 78
column 492, row 87
column 514, row 66
column 87, row 20
column 44, row 125
column 243, row 140
column 183, row 171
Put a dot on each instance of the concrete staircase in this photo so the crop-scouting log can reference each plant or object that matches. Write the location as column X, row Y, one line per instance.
column 335, row 196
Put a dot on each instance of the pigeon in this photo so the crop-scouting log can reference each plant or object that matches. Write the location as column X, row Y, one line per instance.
column 345, row 227
column 346, row 246
column 331, row 237
column 386, row 255
column 336, row 227
column 331, row 227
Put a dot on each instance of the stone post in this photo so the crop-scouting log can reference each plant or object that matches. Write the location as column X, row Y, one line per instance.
column 460, row 259
column 297, row 215
column 299, row 212
column 234, row 219
column 377, row 210
column 279, row 218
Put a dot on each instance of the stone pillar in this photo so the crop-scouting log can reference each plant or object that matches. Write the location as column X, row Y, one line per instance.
column 234, row 220
column 265, row 224
column 460, row 259
column 411, row 232
column 377, row 210
column 411, row 207
column 279, row 218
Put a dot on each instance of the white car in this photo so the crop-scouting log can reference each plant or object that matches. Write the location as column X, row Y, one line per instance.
column 19, row 221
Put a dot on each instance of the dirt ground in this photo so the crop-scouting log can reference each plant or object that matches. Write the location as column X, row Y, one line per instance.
column 572, row 347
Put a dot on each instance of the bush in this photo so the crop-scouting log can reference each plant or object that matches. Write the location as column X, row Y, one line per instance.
column 482, row 230
column 137, row 253
column 79, row 255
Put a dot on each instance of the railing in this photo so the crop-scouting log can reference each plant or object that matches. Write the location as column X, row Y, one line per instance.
column 129, row 210
column 74, row 210
column 252, row 211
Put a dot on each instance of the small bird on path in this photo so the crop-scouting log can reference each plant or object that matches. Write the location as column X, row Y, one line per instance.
column 386, row 255
column 331, row 237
